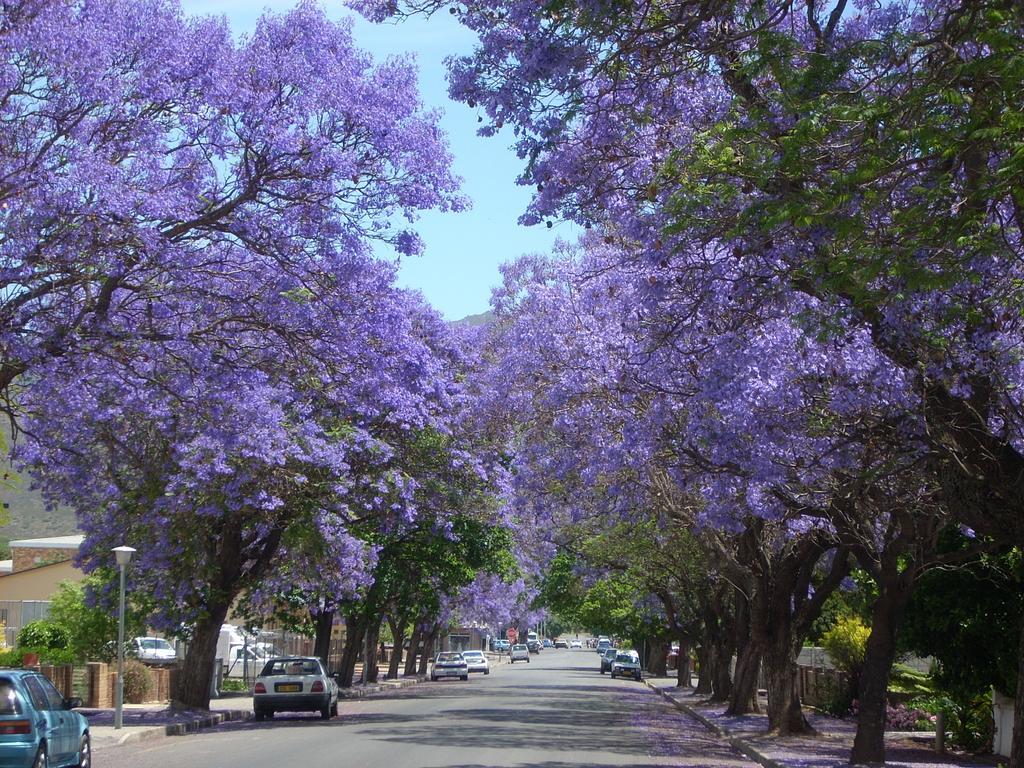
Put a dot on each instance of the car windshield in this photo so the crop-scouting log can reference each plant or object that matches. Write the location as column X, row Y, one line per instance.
column 155, row 644
column 9, row 704
column 449, row 657
column 291, row 667
column 519, row 647
column 472, row 654
column 610, row 652
column 624, row 658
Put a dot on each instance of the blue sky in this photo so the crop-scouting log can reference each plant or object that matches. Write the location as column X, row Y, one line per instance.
column 463, row 250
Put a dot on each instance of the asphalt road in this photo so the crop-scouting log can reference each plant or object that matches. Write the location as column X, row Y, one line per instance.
column 555, row 712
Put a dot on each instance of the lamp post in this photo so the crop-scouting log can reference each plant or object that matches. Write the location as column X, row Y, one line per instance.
column 124, row 556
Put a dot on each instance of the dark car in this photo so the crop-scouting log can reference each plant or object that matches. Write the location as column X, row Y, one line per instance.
column 607, row 657
column 38, row 728
column 533, row 646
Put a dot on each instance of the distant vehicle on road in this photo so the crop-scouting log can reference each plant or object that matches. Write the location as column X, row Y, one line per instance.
column 533, row 646
column 476, row 661
column 607, row 658
column 520, row 653
column 561, row 644
column 500, row 646
column 575, row 644
column 153, row 650
column 449, row 664
column 294, row 684
column 603, row 644
column 547, row 643
column 39, row 728
column 626, row 664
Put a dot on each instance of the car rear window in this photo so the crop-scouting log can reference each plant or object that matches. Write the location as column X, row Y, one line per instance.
column 449, row 657
column 9, row 703
column 291, row 667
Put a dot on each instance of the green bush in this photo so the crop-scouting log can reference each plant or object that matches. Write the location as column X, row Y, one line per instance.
column 836, row 698
column 846, row 644
column 138, row 682
column 44, row 633
column 10, row 658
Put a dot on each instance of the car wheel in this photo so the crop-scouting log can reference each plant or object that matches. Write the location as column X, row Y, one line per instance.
column 487, row 671
column 433, row 678
column 464, row 677
column 84, row 752
column 259, row 715
column 527, row 661
column 270, row 714
column 639, row 678
column 325, row 712
column 511, row 661
column 334, row 709
column 42, row 760
column 613, row 675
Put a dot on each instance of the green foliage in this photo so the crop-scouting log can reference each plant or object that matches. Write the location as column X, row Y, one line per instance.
column 561, row 589
column 836, row 698
column 846, row 643
column 44, row 633
column 905, row 680
column 969, row 722
column 234, row 685
column 91, row 626
column 138, row 682
column 969, row 620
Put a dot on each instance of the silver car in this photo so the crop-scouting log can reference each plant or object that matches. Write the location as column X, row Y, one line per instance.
column 294, row 684
column 449, row 664
column 476, row 661
column 627, row 664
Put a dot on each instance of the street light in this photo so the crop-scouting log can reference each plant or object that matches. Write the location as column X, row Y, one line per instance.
column 124, row 556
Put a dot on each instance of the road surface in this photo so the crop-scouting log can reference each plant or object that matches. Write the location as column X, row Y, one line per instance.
column 555, row 712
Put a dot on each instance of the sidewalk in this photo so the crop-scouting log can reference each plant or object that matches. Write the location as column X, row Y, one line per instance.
column 829, row 748
column 142, row 722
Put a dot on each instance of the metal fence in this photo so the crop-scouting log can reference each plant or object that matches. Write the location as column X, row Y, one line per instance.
column 15, row 614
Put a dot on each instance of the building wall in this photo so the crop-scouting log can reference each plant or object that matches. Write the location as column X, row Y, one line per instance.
column 37, row 583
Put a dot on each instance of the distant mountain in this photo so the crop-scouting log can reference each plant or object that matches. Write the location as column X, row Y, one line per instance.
column 484, row 318
column 24, row 511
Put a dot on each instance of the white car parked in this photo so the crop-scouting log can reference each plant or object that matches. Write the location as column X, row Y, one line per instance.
column 153, row 650
column 520, row 653
column 476, row 661
column 449, row 664
column 294, row 684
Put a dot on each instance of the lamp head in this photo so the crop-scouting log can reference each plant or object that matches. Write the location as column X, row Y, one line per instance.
column 123, row 554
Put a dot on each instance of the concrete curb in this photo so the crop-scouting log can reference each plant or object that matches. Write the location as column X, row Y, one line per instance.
column 180, row 729
column 738, row 743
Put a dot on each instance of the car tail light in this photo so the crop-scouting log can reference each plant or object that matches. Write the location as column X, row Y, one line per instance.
column 11, row 727
column 318, row 687
column 259, row 688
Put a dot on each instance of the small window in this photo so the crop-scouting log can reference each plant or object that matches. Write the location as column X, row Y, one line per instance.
column 9, row 702
column 36, row 693
column 53, row 696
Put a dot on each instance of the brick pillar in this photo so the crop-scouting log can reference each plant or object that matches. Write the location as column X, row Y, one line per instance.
column 98, row 678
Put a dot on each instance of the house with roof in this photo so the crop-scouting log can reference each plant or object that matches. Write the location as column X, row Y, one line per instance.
column 31, row 577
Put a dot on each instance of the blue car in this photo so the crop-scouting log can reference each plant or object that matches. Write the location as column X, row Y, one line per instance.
column 38, row 728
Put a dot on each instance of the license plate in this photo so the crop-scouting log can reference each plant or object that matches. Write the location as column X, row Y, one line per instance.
column 288, row 687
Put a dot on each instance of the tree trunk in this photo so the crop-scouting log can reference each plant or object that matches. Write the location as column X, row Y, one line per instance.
column 657, row 658
column 398, row 637
column 370, row 657
column 354, row 629
column 894, row 594
column 705, row 675
column 683, row 665
column 743, row 699
column 323, row 621
column 414, row 643
column 1017, row 750
column 428, row 648
column 785, row 716
column 192, row 682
